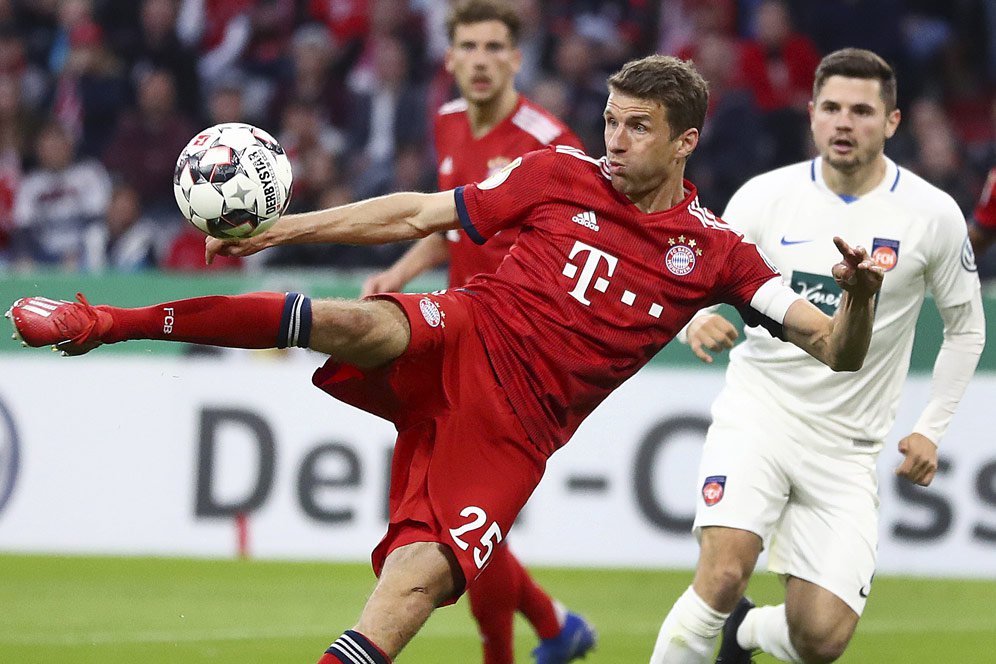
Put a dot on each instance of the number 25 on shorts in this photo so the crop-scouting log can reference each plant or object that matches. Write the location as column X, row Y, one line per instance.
column 490, row 538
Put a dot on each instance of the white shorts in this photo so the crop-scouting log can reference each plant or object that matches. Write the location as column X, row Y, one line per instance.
column 816, row 512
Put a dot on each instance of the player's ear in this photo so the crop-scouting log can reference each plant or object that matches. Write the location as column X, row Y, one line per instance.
column 516, row 59
column 688, row 141
column 892, row 122
column 448, row 60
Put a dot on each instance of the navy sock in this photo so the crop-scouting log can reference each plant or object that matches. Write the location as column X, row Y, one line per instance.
column 354, row 648
column 295, row 324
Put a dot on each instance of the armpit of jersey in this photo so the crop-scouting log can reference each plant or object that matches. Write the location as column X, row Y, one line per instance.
column 769, row 305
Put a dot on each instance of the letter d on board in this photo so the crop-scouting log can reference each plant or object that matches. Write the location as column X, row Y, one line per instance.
column 256, row 429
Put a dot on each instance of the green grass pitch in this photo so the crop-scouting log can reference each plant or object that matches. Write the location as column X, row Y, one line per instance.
column 116, row 610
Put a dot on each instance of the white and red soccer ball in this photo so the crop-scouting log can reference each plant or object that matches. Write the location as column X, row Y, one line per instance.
column 232, row 180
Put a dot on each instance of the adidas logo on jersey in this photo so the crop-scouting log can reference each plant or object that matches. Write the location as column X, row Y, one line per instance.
column 586, row 219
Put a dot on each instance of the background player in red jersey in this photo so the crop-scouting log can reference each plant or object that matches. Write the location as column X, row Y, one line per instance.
column 982, row 231
column 614, row 256
column 478, row 134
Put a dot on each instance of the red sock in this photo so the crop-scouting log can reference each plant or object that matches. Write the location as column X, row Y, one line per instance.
column 254, row 320
column 494, row 596
column 535, row 604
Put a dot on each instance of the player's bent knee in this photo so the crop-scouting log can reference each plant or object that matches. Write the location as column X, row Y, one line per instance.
column 819, row 646
column 426, row 571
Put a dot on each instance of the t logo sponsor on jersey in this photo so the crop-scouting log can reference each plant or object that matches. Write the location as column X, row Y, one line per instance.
column 885, row 253
column 819, row 289
column 586, row 219
column 713, row 489
column 591, row 262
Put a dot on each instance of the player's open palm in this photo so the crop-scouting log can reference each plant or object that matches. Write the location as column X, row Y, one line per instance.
column 920, row 463
column 710, row 332
column 857, row 273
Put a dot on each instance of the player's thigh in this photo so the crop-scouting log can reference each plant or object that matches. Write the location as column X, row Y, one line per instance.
column 483, row 470
column 365, row 333
column 828, row 535
column 742, row 481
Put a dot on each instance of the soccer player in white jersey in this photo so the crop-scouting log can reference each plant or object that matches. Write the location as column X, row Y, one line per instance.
column 789, row 461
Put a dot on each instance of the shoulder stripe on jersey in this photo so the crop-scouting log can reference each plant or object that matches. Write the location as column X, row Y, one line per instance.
column 464, row 217
column 454, row 106
column 537, row 125
column 708, row 219
column 603, row 166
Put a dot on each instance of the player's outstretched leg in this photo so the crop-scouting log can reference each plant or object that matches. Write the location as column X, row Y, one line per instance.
column 367, row 333
column 730, row 650
column 254, row 320
column 415, row 579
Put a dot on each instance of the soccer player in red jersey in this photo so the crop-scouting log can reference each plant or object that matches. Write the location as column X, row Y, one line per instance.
column 982, row 231
column 483, row 383
column 478, row 134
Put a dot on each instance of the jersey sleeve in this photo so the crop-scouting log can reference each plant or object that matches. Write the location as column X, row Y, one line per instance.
column 506, row 198
column 751, row 283
column 951, row 273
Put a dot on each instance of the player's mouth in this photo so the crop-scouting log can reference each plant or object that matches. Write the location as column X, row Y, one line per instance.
column 842, row 146
column 616, row 168
column 480, row 83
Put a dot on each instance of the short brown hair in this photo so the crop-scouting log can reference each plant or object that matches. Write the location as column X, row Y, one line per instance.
column 858, row 63
column 478, row 11
column 673, row 83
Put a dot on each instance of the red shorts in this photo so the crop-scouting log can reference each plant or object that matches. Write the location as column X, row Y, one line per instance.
column 463, row 466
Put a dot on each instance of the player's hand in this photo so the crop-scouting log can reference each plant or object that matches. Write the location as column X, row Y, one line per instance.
column 382, row 282
column 710, row 332
column 920, row 463
column 240, row 247
column 857, row 273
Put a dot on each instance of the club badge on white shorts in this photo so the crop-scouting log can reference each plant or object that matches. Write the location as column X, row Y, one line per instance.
column 713, row 489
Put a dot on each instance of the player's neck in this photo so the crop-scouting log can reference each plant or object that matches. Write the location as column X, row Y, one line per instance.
column 857, row 183
column 485, row 117
column 668, row 195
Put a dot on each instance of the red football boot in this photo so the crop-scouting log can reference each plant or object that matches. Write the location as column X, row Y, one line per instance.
column 71, row 327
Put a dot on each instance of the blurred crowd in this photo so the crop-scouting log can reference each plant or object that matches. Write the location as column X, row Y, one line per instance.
column 97, row 98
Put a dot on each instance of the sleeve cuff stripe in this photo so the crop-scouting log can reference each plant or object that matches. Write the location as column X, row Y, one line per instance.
column 468, row 225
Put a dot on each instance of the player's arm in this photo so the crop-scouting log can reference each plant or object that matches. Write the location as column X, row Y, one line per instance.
column 708, row 332
column 964, row 339
column 427, row 253
column 840, row 342
column 391, row 218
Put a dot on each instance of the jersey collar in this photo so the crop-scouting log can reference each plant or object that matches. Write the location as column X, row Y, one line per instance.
column 888, row 184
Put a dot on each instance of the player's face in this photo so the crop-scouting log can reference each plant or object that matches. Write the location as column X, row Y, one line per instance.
column 483, row 60
column 850, row 123
column 641, row 152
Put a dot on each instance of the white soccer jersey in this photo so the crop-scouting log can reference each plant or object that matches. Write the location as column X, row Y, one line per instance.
column 914, row 230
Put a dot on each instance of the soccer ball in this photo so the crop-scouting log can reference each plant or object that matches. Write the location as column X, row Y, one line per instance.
column 232, row 180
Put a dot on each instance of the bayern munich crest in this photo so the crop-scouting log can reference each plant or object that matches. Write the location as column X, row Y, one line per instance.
column 681, row 257
column 430, row 312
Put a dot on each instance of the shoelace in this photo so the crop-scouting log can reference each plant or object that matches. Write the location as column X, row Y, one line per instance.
column 88, row 313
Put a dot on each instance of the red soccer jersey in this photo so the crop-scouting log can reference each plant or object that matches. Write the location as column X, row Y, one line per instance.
column 593, row 287
column 463, row 159
column 985, row 210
